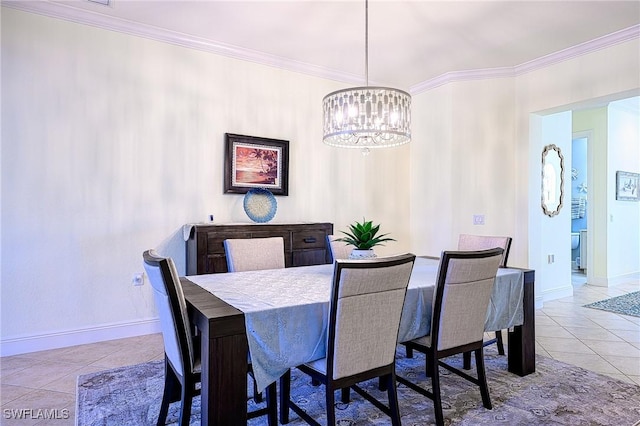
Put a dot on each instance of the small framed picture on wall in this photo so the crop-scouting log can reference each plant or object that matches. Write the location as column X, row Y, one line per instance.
column 627, row 186
column 254, row 162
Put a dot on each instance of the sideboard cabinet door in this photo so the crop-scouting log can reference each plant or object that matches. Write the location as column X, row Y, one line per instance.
column 304, row 244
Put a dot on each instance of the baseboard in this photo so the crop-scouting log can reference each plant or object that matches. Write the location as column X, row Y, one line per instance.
column 614, row 281
column 557, row 293
column 63, row 339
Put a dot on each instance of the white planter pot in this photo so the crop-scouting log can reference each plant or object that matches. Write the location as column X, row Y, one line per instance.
column 362, row 254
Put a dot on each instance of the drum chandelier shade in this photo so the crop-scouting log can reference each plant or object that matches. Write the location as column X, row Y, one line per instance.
column 366, row 117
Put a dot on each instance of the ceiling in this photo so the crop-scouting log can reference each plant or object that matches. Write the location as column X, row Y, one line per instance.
column 410, row 42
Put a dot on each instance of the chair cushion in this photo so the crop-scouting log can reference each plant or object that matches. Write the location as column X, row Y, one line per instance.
column 423, row 341
column 320, row 365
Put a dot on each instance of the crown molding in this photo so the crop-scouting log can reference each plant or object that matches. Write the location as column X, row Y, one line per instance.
column 86, row 17
column 603, row 42
column 453, row 76
column 580, row 49
column 99, row 20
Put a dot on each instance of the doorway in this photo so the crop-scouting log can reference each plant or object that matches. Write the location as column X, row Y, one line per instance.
column 579, row 211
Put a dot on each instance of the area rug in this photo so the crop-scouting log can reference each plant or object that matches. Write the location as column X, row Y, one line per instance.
column 556, row 394
column 627, row 304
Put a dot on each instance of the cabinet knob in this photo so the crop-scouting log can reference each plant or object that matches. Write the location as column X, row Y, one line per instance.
column 310, row 240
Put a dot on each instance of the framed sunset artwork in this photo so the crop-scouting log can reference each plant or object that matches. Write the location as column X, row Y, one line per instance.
column 255, row 162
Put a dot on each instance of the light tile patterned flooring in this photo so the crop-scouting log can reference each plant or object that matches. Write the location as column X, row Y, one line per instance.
column 600, row 341
column 596, row 340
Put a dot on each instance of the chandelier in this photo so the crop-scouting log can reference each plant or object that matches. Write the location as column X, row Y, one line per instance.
column 366, row 117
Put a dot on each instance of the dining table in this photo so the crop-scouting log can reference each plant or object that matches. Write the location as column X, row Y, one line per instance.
column 279, row 318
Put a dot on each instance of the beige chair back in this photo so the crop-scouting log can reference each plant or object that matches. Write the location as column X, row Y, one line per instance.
column 338, row 249
column 366, row 304
column 468, row 242
column 464, row 286
column 253, row 254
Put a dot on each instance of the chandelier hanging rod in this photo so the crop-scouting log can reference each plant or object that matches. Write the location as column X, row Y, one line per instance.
column 366, row 42
column 366, row 117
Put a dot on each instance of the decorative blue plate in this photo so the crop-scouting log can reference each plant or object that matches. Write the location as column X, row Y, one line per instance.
column 260, row 205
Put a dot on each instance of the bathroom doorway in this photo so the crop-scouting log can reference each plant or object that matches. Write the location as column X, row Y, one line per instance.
column 579, row 216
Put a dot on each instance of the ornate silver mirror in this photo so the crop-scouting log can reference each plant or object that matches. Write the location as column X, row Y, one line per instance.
column 552, row 180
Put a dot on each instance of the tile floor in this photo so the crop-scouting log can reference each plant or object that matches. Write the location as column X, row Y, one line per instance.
column 596, row 340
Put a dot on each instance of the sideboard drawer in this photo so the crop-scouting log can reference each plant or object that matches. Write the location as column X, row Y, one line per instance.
column 309, row 257
column 309, row 239
column 215, row 241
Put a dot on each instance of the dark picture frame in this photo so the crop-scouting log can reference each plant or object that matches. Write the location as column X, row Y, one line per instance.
column 627, row 186
column 255, row 162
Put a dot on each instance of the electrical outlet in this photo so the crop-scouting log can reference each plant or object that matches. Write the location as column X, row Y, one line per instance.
column 551, row 258
column 137, row 279
column 478, row 219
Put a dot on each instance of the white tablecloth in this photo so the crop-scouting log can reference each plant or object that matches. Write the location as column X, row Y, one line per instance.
column 286, row 310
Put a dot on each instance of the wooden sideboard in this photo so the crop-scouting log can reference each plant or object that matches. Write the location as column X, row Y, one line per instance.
column 304, row 244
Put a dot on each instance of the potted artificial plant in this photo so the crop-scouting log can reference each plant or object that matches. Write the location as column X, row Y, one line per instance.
column 363, row 237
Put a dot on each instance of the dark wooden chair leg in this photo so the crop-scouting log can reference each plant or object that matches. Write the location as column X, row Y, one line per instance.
column 285, row 395
column 482, row 379
column 499, row 342
column 345, row 395
column 429, row 365
column 331, row 406
column 393, row 399
column 185, row 411
column 382, row 384
column 466, row 360
column 257, row 396
column 171, row 392
column 437, row 398
column 272, row 405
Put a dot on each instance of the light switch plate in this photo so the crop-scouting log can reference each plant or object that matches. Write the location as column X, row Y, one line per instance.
column 478, row 219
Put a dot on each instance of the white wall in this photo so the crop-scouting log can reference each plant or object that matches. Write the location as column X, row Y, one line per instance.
column 462, row 164
column 111, row 143
column 593, row 121
column 431, row 211
column 553, row 232
column 623, row 248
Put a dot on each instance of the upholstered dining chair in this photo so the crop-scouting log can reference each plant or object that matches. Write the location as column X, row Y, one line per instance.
column 483, row 242
column 366, row 303
column 181, row 347
column 252, row 254
column 338, row 249
column 461, row 299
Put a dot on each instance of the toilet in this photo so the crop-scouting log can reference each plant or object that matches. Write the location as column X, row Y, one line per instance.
column 575, row 240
